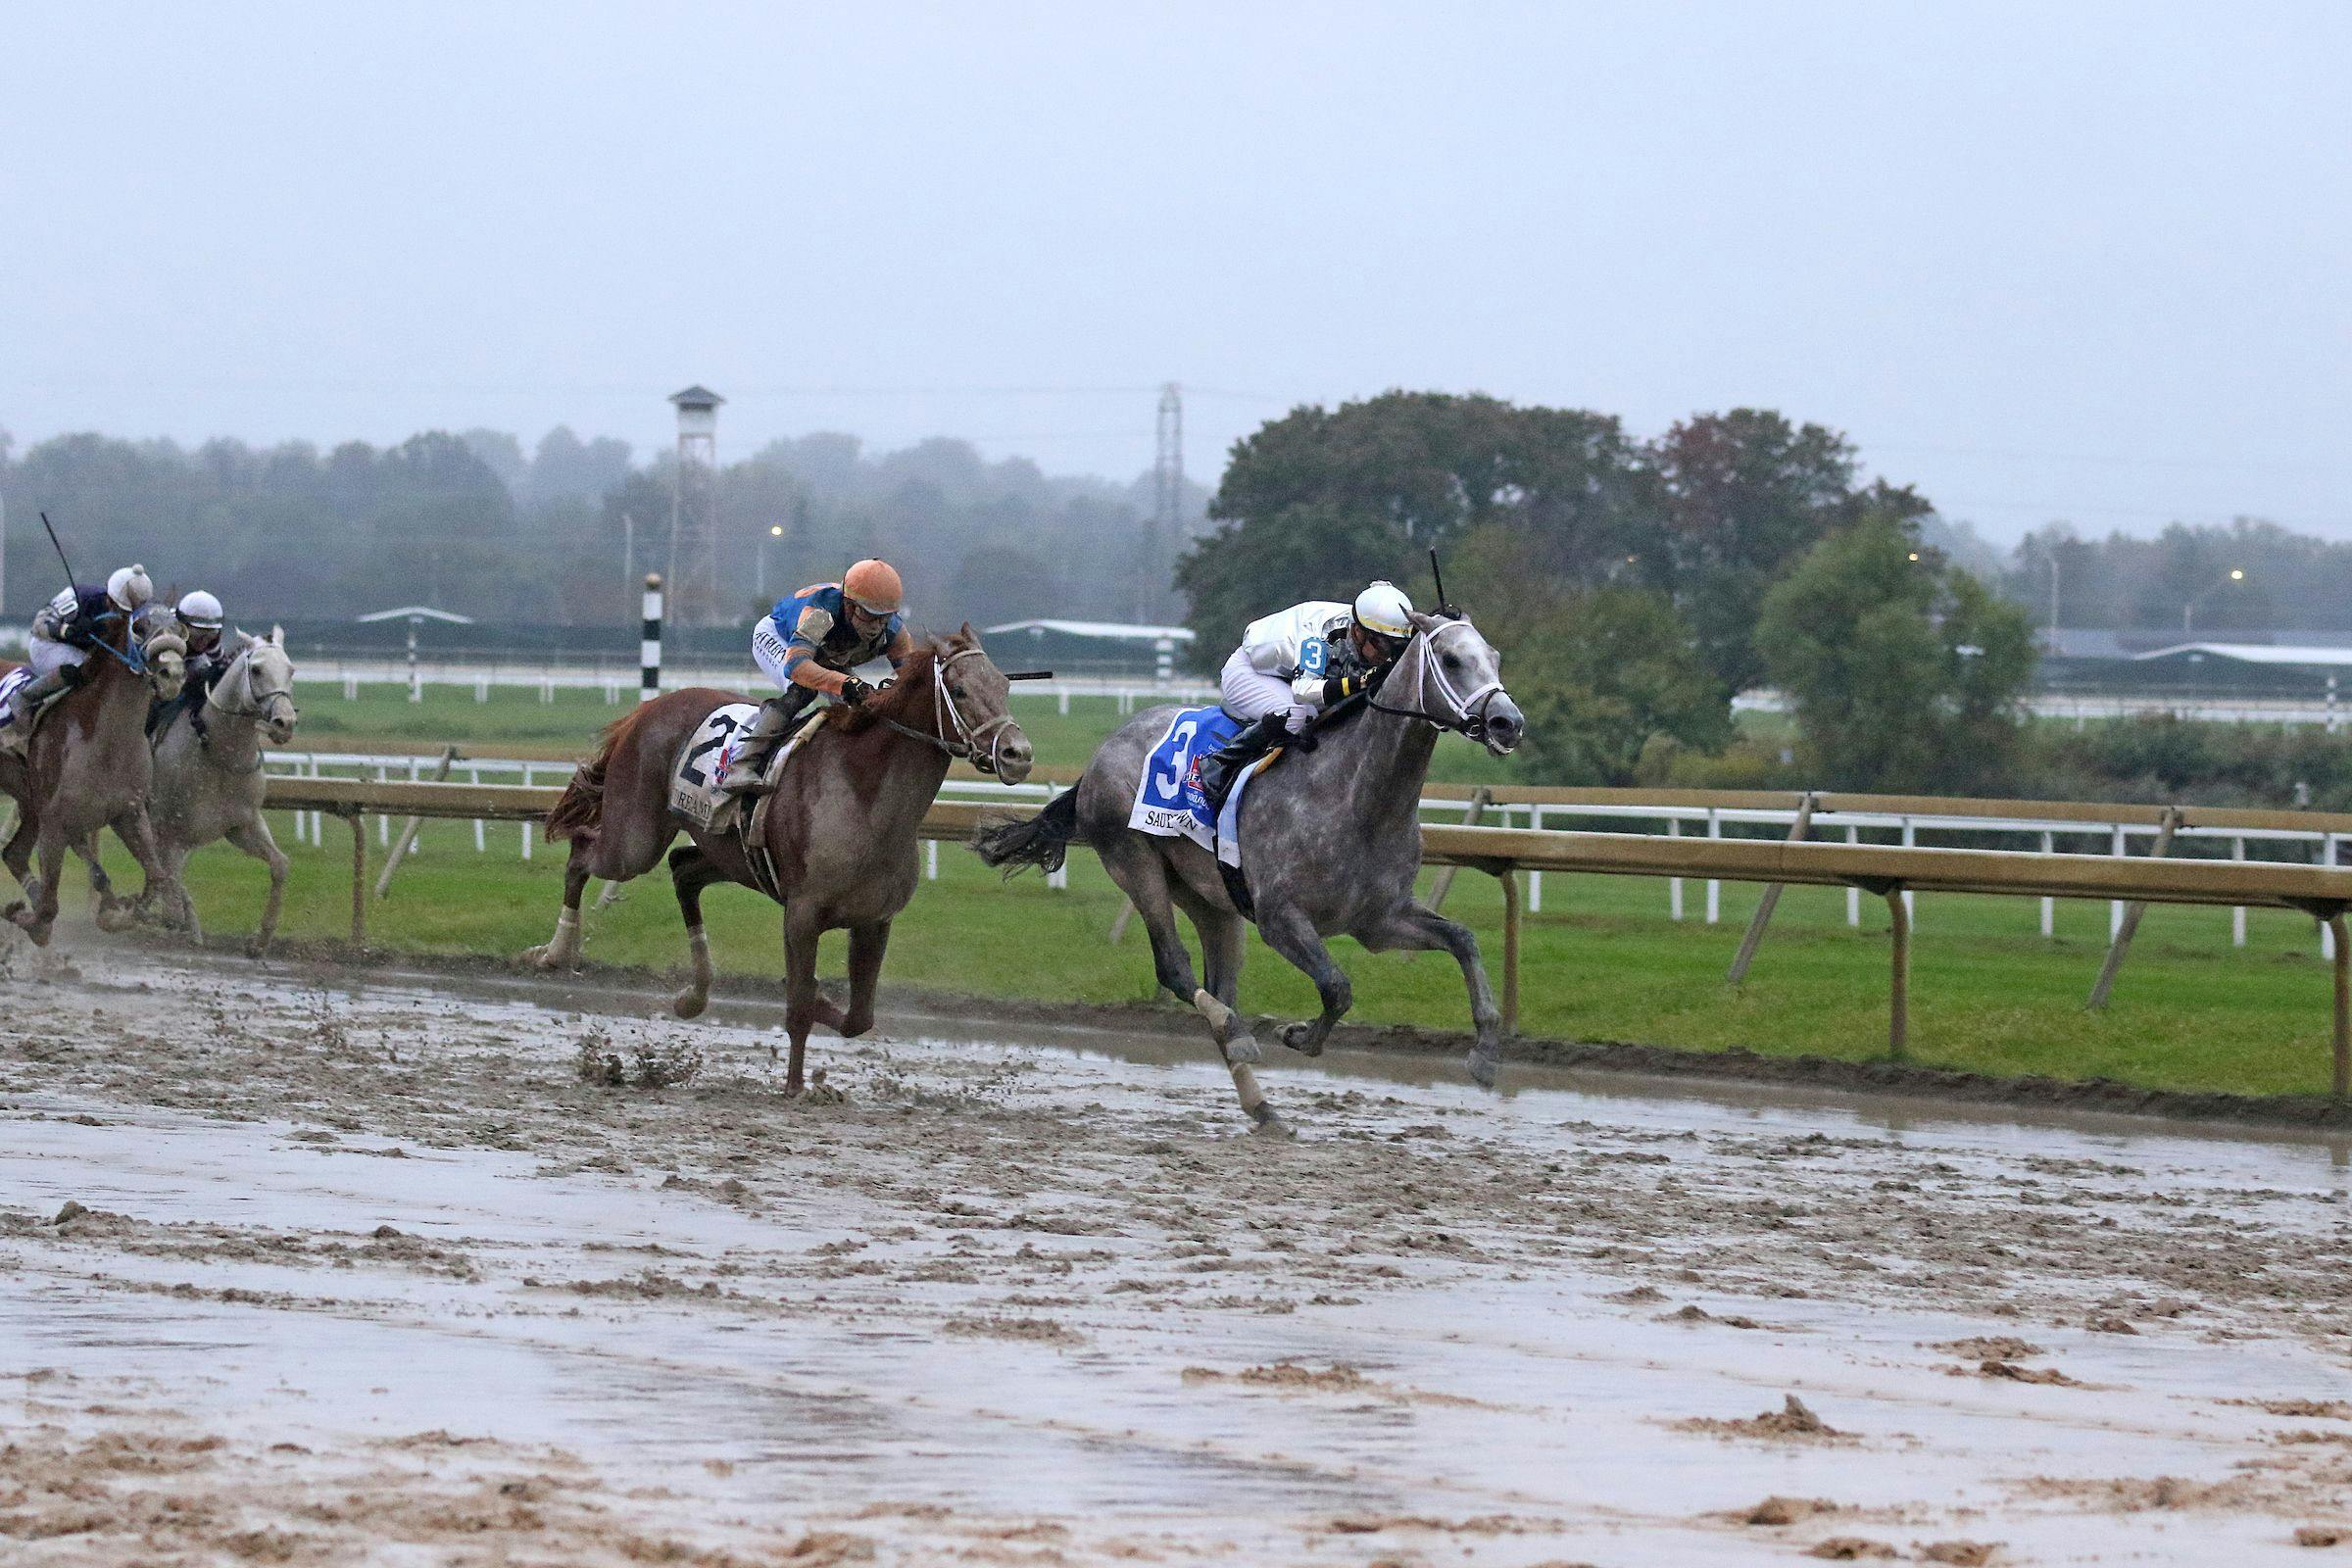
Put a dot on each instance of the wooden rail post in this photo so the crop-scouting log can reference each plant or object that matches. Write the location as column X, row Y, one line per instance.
column 2342, row 1083
column 1480, row 799
column 1770, row 900
column 1508, row 876
column 1898, row 1017
column 407, row 831
column 2105, row 983
column 1898, row 923
column 359, row 875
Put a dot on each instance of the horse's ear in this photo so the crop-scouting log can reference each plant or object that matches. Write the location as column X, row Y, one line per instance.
column 277, row 636
column 969, row 635
column 1420, row 621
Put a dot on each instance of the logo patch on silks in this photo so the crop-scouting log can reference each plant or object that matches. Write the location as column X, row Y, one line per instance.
column 1168, row 803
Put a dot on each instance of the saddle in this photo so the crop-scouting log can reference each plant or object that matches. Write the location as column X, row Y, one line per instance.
column 750, row 827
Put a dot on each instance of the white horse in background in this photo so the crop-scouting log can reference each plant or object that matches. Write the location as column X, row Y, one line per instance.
column 207, row 779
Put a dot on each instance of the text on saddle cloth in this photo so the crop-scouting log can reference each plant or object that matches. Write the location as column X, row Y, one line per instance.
column 1168, row 803
column 693, row 779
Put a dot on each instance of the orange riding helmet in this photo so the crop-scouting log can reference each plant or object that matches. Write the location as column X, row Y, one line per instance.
column 873, row 586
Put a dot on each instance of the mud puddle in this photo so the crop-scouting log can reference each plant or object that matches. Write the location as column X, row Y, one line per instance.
column 357, row 1273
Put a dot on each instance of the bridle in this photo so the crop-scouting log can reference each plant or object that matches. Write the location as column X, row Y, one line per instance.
column 256, row 702
column 1465, row 715
column 135, row 660
column 947, row 717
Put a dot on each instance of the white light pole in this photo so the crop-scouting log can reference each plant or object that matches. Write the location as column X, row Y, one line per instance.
column 2189, row 610
column 775, row 530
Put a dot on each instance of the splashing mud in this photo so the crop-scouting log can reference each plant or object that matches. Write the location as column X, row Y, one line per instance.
column 293, row 1270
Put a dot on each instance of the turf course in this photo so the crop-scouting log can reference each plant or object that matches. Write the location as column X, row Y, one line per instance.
column 1601, row 961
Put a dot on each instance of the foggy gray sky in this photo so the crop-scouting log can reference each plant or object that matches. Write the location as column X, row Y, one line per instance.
column 2079, row 261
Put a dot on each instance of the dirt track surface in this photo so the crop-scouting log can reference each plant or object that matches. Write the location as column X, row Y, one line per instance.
column 311, row 1274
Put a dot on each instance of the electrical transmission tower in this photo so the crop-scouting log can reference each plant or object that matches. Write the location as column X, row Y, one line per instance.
column 1166, row 524
column 693, row 578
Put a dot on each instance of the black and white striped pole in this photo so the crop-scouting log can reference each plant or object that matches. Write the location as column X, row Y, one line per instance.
column 648, row 683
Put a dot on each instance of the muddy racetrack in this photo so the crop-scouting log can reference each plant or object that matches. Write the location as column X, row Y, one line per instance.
column 308, row 1274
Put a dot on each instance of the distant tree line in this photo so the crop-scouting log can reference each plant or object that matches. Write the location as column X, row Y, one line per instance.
column 476, row 524
column 1636, row 586
column 2291, row 581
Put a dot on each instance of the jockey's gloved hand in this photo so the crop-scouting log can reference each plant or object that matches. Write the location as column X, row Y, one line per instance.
column 855, row 691
column 1316, row 692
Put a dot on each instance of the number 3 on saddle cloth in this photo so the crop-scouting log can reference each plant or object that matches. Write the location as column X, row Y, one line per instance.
column 1168, row 803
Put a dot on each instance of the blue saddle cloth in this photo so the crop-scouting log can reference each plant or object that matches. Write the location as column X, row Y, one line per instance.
column 1168, row 801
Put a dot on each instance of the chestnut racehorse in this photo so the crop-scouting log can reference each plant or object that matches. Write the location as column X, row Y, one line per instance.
column 87, row 767
column 840, row 833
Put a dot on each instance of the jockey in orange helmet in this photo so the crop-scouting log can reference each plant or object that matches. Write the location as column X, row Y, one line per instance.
column 809, row 644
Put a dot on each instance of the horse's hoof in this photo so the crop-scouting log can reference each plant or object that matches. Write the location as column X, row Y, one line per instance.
column 259, row 947
column 1484, row 1067
column 1301, row 1037
column 690, row 1004
column 115, row 919
column 1245, row 1050
column 1266, row 1124
column 536, row 957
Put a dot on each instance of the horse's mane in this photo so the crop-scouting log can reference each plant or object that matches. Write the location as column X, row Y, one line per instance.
column 865, row 716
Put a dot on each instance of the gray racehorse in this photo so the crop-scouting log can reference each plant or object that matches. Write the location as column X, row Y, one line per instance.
column 210, row 786
column 1330, row 841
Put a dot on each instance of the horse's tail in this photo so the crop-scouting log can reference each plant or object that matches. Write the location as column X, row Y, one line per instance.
column 1042, row 840
column 580, row 810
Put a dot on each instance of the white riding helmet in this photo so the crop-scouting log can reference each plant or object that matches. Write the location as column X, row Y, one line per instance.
column 200, row 609
column 130, row 588
column 1384, row 609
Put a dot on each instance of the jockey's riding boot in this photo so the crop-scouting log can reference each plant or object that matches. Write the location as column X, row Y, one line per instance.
column 37, row 695
column 755, row 740
column 1220, row 767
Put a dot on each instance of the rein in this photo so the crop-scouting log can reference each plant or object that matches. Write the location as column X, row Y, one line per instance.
column 1466, row 715
column 946, row 716
column 258, row 709
column 135, row 661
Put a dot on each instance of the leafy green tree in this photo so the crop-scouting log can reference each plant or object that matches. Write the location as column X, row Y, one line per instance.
column 1610, row 673
column 1320, row 500
column 1742, row 496
column 1904, row 671
column 1308, row 550
column 1602, row 675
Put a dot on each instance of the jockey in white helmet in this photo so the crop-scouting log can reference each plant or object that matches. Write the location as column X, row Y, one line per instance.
column 65, row 631
column 198, row 620
column 1294, row 663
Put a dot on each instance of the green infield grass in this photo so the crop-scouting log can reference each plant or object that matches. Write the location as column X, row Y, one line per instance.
column 1600, row 961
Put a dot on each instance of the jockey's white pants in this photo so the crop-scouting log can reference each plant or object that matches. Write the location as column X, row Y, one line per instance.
column 42, row 657
column 769, row 648
column 47, row 657
column 1248, row 693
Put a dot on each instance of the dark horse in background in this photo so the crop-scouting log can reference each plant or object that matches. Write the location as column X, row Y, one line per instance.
column 840, row 832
